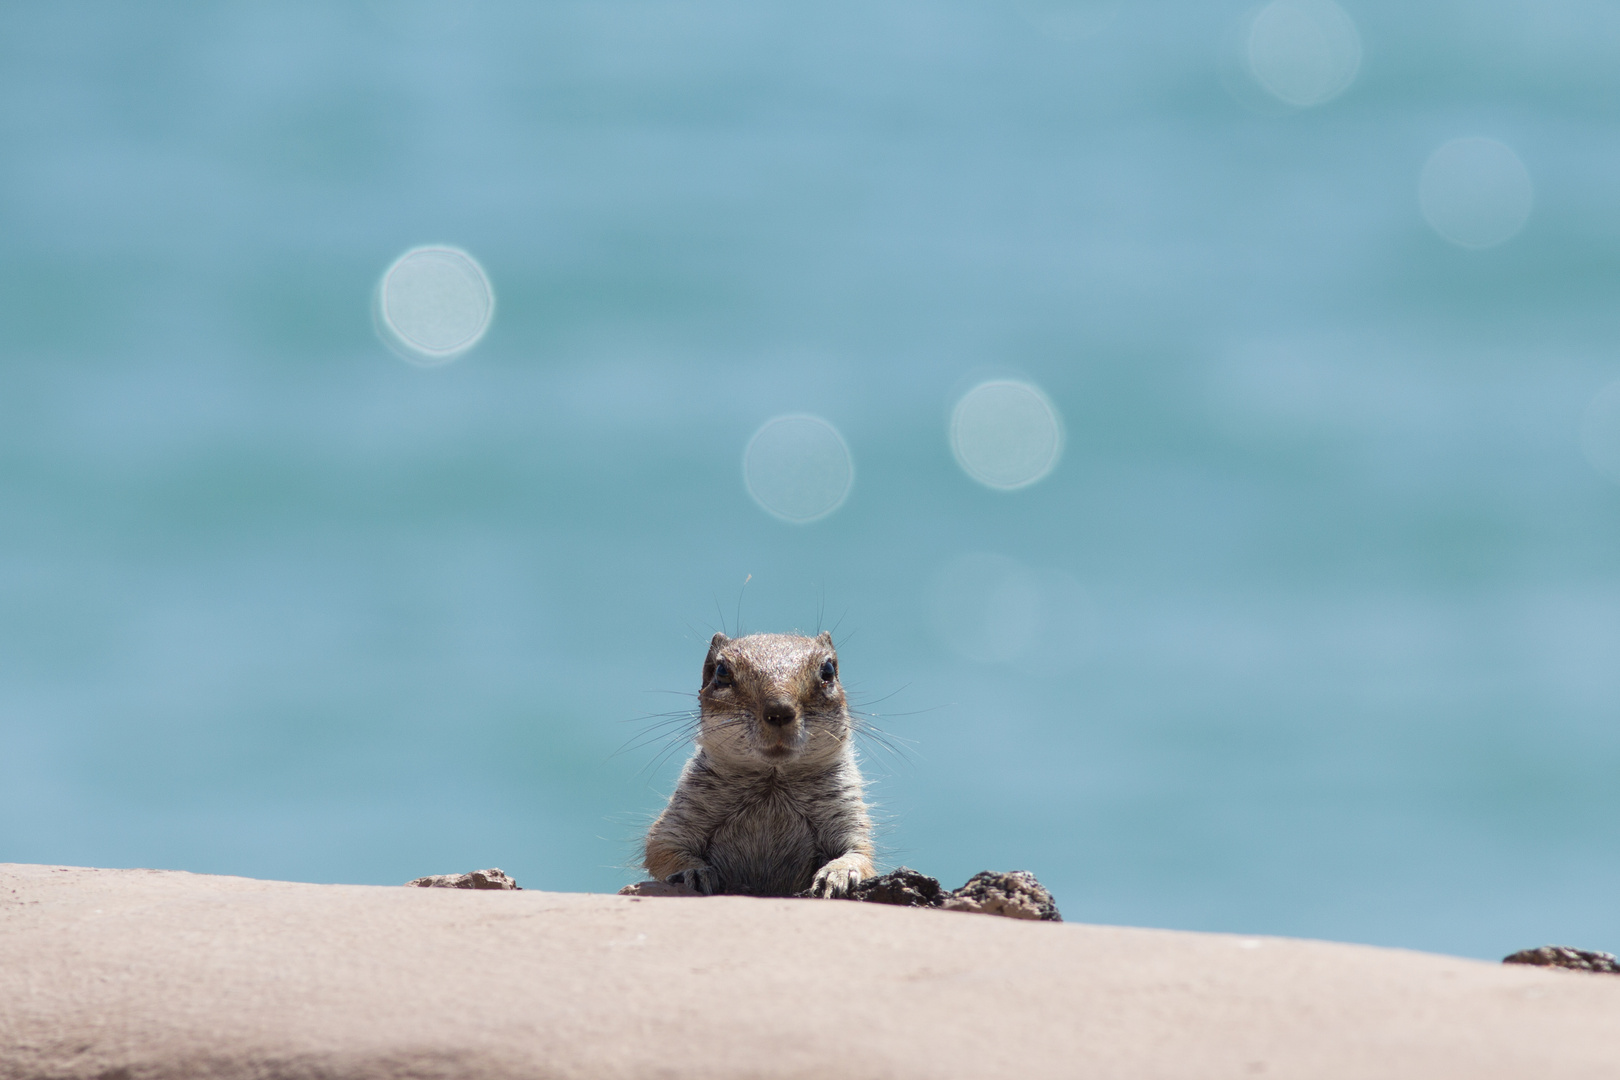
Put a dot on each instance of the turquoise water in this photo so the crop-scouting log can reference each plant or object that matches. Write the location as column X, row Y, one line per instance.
column 1314, row 628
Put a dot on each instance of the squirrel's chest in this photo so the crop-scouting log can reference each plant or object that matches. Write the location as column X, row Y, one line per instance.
column 768, row 844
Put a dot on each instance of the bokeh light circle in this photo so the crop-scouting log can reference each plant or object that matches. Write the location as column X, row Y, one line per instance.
column 1006, row 434
column 433, row 304
column 1475, row 193
column 798, row 468
column 1303, row 52
column 987, row 608
column 1600, row 432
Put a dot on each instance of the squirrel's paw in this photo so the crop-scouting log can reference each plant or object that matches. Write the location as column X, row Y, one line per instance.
column 838, row 879
column 700, row 879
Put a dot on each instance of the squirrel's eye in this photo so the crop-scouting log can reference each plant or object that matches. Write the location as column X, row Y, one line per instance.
column 722, row 673
column 829, row 670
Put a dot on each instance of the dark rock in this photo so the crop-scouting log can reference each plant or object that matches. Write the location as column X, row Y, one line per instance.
column 1565, row 957
column 478, row 879
column 903, row 886
column 1015, row 894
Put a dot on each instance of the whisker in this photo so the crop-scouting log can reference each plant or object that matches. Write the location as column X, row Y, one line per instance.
column 908, row 712
column 885, row 697
column 877, row 734
column 675, row 738
column 670, row 737
column 668, row 731
column 661, row 719
column 657, row 763
column 888, row 745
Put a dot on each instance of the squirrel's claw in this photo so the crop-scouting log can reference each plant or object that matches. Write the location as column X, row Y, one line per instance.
column 837, row 880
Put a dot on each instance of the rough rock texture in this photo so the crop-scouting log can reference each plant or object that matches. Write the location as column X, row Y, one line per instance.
column 151, row 975
column 1565, row 957
column 477, row 879
column 1015, row 894
column 904, row 887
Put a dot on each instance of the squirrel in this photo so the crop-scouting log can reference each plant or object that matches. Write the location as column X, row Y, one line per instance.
column 771, row 803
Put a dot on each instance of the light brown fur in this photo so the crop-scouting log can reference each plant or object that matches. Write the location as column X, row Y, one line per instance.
column 771, row 803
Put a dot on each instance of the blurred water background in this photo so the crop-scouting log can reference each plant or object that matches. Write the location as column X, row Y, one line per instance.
column 1313, row 628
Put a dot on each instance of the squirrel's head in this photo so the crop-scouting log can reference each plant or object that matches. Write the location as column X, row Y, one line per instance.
column 773, row 699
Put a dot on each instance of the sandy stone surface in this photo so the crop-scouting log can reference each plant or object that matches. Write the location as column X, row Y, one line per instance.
column 132, row 974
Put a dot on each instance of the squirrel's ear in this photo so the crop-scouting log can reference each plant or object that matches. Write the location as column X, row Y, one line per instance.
column 708, row 661
column 825, row 637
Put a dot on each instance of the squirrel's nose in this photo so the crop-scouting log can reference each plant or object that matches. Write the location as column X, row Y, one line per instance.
column 780, row 714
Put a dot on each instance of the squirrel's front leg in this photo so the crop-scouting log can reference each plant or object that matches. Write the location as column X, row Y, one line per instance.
column 678, row 866
column 838, row 878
